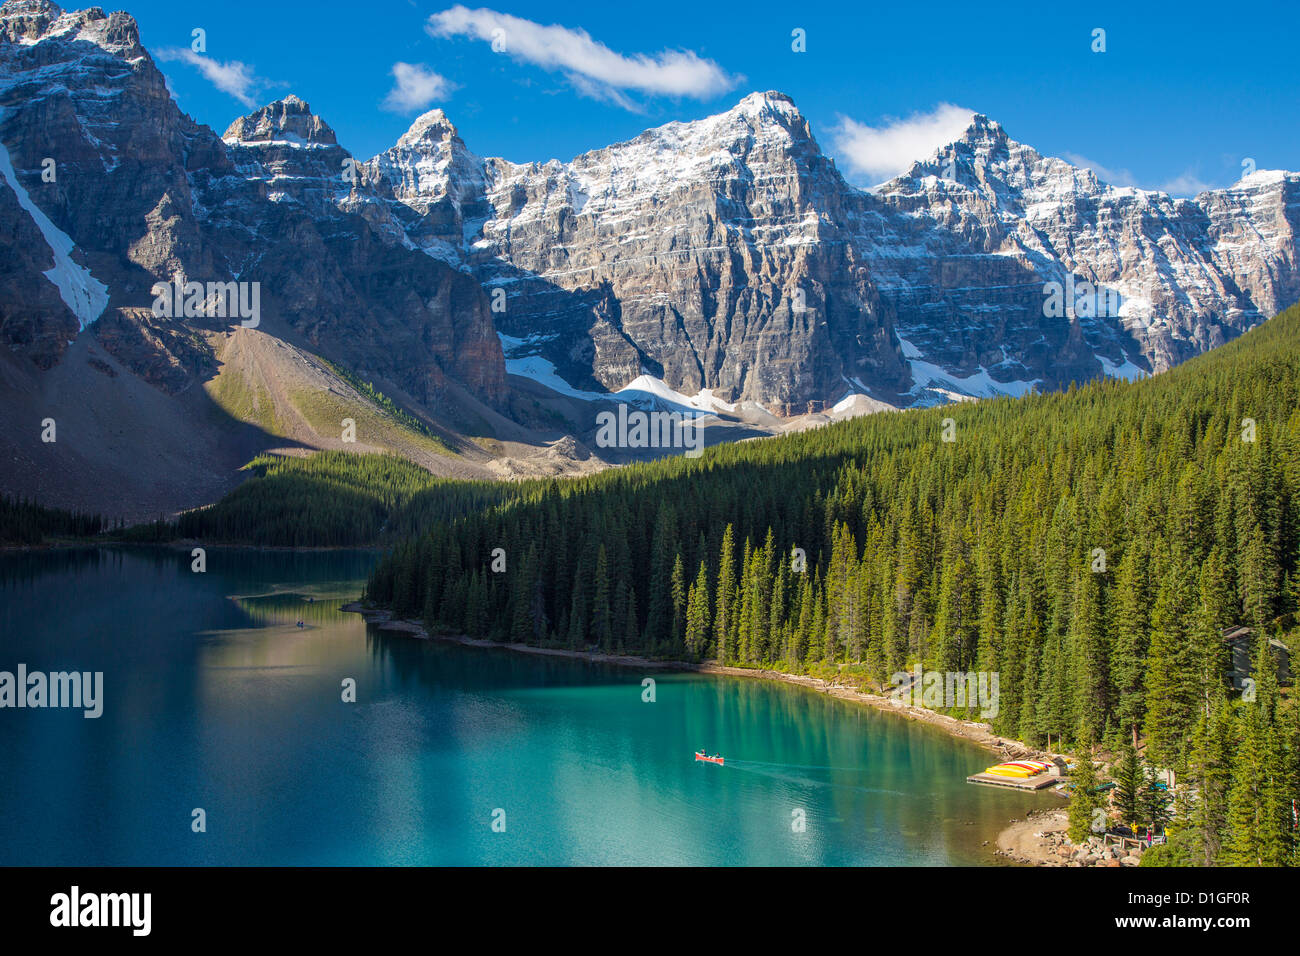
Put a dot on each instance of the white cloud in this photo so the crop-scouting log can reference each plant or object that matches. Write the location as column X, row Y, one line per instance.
column 1115, row 177
column 416, row 87
column 1187, row 184
column 231, row 77
column 880, row 153
column 593, row 68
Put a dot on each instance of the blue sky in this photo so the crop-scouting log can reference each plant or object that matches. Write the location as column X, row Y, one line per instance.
column 1182, row 95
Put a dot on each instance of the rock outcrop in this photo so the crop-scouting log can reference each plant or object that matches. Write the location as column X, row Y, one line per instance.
column 1148, row 279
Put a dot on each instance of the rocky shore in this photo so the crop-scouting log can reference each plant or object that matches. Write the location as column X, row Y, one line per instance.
column 1040, row 840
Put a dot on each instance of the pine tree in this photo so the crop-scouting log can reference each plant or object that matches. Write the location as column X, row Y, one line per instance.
column 1128, row 784
column 697, row 614
column 602, row 614
column 1153, row 802
column 1171, row 670
column 660, row 608
column 1258, row 578
column 724, row 604
column 678, row 594
column 1130, row 641
column 1091, row 664
column 1084, row 798
column 1210, row 765
column 631, row 639
column 1247, row 826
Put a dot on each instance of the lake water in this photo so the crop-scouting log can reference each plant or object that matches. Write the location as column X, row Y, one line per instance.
column 215, row 698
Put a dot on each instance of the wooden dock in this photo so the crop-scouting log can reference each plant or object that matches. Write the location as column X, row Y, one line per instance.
column 1039, row 782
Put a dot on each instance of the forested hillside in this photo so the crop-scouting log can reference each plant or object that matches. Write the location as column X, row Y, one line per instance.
column 331, row 499
column 1086, row 546
column 26, row 523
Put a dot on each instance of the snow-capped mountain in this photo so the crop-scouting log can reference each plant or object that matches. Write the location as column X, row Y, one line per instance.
column 729, row 254
column 109, row 186
column 992, row 221
column 434, row 184
column 712, row 255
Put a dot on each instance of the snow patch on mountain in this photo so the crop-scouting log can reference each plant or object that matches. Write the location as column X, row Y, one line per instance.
column 81, row 292
column 1125, row 370
column 928, row 377
column 539, row 369
column 647, row 390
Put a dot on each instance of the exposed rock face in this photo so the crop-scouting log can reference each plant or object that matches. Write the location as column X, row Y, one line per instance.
column 288, row 122
column 1254, row 225
column 433, row 184
column 992, row 221
column 682, row 253
column 70, row 87
column 34, row 320
column 710, row 254
column 143, row 194
column 344, row 273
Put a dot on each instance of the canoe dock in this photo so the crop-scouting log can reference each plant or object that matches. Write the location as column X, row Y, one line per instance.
column 1039, row 782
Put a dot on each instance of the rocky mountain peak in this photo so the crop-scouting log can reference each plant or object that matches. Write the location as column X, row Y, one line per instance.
column 762, row 129
column 769, row 111
column 32, row 16
column 982, row 144
column 769, row 102
column 430, row 174
column 983, row 131
column 290, row 118
column 27, row 22
column 433, row 126
column 1262, row 178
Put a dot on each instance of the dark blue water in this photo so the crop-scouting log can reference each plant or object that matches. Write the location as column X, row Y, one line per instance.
column 214, row 698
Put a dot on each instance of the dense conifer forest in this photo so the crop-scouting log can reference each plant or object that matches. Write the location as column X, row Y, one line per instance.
column 26, row 523
column 332, row 499
column 1088, row 547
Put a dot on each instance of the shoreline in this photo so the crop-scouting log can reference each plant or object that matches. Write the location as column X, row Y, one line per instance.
column 179, row 544
column 1019, row 842
column 1029, row 841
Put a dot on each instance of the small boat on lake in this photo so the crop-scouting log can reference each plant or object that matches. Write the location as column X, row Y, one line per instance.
column 702, row 756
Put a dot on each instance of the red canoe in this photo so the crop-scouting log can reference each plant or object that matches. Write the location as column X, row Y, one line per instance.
column 701, row 755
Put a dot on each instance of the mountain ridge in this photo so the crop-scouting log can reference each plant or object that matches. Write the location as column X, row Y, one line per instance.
column 1004, row 204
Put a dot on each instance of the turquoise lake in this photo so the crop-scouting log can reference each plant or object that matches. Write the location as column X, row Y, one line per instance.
column 215, row 698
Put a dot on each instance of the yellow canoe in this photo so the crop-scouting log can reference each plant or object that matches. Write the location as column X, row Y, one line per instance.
column 1010, row 770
